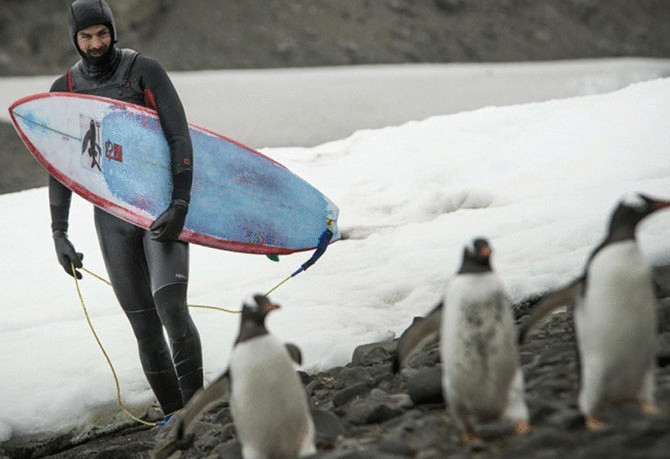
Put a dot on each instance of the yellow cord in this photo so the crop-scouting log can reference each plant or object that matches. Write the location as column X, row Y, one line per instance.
column 104, row 352
column 277, row 286
column 95, row 275
column 109, row 361
column 214, row 308
column 199, row 306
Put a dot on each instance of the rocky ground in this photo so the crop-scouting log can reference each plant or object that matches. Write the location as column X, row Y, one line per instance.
column 365, row 410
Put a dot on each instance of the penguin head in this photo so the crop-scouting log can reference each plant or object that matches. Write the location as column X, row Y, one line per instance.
column 254, row 312
column 631, row 210
column 476, row 257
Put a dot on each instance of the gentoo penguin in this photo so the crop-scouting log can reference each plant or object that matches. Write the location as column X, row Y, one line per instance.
column 614, row 316
column 481, row 377
column 418, row 334
column 267, row 400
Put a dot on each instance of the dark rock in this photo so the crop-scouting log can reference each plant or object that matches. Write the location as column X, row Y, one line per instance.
column 348, row 376
column 230, row 450
column 566, row 419
column 426, row 386
column 396, row 447
column 378, row 407
column 328, row 426
column 372, row 354
column 345, row 395
column 450, row 6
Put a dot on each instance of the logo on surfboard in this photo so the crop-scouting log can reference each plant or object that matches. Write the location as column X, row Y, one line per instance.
column 91, row 154
column 113, row 151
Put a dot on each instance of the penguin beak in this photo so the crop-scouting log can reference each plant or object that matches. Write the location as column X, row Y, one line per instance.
column 658, row 205
column 264, row 303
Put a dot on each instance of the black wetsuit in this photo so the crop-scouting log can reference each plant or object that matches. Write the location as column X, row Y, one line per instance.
column 149, row 277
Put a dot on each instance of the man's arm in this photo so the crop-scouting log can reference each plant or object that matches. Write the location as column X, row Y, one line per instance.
column 59, row 205
column 160, row 91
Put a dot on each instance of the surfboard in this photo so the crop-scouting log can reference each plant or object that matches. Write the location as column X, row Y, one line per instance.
column 114, row 154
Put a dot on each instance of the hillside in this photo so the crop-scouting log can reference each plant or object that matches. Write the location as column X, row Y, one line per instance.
column 292, row 33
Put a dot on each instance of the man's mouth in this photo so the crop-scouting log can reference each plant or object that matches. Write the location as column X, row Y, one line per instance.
column 97, row 52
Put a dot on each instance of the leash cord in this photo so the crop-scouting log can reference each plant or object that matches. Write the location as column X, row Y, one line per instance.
column 104, row 352
column 198, row 306
column 324, row 240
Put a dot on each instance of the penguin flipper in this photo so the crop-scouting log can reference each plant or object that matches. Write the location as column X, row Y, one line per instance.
column 201, row 401
column 294, row 352
column 412, row 340
column 550, row 302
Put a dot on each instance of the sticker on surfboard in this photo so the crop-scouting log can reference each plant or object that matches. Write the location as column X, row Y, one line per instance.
column 91, row 153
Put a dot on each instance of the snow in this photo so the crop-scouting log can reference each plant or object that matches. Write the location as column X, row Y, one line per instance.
column 537, row 178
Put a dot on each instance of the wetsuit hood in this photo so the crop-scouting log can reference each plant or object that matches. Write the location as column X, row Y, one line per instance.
column 85, row 13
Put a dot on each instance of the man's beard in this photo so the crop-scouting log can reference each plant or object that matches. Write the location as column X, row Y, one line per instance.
column 98, row 55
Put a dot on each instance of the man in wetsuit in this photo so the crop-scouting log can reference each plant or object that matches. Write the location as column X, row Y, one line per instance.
column 148, row 269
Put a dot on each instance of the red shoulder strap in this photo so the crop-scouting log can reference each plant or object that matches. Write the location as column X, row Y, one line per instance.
column 150, row 99
column 70, row 85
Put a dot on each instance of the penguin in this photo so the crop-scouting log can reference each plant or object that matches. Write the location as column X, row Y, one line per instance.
column 482, row 380
column 614, row 314
column 418, row 334
column 268, row 403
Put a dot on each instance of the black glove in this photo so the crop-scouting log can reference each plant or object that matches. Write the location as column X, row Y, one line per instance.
column 66, row 253
column 169, row 224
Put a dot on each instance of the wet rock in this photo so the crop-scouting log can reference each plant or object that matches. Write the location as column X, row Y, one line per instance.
column 426, row 386
column 345, row 395
column 378, row 407
column 328, row 426
column 373, row 354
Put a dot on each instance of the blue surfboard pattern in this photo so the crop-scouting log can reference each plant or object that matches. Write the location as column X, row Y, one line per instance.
column 237, row 194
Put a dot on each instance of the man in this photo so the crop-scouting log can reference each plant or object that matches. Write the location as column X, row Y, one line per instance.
column 148, row 269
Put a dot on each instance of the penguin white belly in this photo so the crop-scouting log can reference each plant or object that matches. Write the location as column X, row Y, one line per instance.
column 268, row 402
column 615, row 324
column 478, row 347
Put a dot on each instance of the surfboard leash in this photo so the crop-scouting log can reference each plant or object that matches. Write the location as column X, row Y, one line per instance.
column 321, row 247
column 324, row 240
column 104, row 352
column 117, row 383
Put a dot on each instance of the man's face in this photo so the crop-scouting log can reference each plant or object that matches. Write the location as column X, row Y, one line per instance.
column 94, row 41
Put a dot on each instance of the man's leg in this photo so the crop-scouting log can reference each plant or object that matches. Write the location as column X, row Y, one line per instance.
column 121, row 245
column 168, row 267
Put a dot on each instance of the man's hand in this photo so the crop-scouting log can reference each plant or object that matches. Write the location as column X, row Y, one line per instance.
column 169, row 224
column 66, row 254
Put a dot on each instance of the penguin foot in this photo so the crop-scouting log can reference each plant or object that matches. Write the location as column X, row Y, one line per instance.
column 469, row 437
column 648, row 408
column 522, row 427
column 594, row 424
